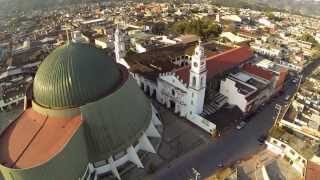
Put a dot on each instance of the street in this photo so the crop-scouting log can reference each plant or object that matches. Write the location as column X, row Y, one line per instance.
column 231, row 147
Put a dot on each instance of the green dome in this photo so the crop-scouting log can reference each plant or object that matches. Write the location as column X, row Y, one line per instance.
column 73, row 75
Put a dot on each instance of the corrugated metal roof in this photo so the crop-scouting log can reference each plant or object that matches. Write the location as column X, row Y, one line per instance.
column 73, row 75
column 116, row 121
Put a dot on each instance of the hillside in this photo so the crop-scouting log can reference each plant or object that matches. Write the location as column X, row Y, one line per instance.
column 307, row 7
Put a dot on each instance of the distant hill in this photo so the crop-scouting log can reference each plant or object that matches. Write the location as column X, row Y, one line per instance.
column 307, row 7
column 27, row 5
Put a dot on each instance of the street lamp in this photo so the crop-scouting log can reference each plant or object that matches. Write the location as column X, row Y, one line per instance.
column 196, row 174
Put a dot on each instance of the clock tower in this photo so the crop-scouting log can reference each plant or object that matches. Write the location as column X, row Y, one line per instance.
column 197, row 79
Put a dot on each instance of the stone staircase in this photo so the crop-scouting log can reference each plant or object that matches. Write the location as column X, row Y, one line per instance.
column 217, row 102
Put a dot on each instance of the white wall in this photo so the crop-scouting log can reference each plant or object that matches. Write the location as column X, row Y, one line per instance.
column 171, row 88
column 298, row 161
column 100, row 44
column 228, row 89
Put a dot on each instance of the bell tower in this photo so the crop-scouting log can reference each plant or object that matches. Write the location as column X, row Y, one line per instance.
column 197, row 79
column 119, row 45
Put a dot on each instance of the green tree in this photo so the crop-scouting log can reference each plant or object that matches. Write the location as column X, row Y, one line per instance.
column 204, row 28
column 309, row 38
column 159, row 28
column 271, row 16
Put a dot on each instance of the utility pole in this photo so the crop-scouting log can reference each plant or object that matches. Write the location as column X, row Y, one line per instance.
column 278, row 108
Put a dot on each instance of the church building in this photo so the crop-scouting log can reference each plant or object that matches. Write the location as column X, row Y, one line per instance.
column 184, row 76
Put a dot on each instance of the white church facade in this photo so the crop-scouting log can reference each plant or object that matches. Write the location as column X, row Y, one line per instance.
column 182, row 97
column 178, row 81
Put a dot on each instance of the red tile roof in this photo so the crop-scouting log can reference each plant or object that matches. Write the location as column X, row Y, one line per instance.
column 312, row 171
column 183, row 73
column 227, row 60
column 33, row 139
column 220, row 63
column 258, row 71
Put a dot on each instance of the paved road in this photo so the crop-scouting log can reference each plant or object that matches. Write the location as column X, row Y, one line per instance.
column 230, row 147
column 233, row 146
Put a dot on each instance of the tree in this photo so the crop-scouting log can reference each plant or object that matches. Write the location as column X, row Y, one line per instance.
column 159, row 28
column 204, row 28
column 271, row 16
column 308, row 38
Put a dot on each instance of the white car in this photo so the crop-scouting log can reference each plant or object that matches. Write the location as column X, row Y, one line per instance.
column 241, row 125
column 287, row 98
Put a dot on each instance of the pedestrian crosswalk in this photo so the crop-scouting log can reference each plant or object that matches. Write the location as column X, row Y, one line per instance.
column 217, row 102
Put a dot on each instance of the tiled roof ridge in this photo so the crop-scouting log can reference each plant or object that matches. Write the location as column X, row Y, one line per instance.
column 227, row 52
column 267, row 74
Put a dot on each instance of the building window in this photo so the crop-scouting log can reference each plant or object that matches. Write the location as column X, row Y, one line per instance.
column 172, row 92
column 191, row 102
column 274, row 142
column 158, row 116
column 292, row 152
column 190, row 112
column 192, row 94
column 283, row 146
column 99, row 163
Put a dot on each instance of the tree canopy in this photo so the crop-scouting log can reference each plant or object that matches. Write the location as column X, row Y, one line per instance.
column 309, row 38
column 271, row 16
column 204, row 28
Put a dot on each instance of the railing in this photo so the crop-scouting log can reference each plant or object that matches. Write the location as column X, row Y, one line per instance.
column 89, row 174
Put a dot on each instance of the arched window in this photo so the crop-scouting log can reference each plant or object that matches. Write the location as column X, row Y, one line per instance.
column 201, row 82
column 194, row 81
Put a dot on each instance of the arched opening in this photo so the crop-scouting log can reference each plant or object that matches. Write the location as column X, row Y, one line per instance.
column 194, row 81
column 154, row 94
column 172, row 105
column 201, row 82
column 148, row 90
column 173, row 93
column 142, row 86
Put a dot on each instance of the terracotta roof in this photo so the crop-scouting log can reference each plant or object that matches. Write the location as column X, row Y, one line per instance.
column 159, row 60
column 312, row 171
column 258, row 71
column 227, row 60
column 33, row 139
column 220, row 63
column 184, row 73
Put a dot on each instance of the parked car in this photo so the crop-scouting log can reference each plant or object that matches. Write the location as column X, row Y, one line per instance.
column 220, row 165
column 262, row 139
column 241, row 125
column 287, row 98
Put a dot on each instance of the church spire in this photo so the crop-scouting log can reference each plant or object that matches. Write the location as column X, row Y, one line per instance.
column 119, row 45
column 198, row 59
column 197, row 81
